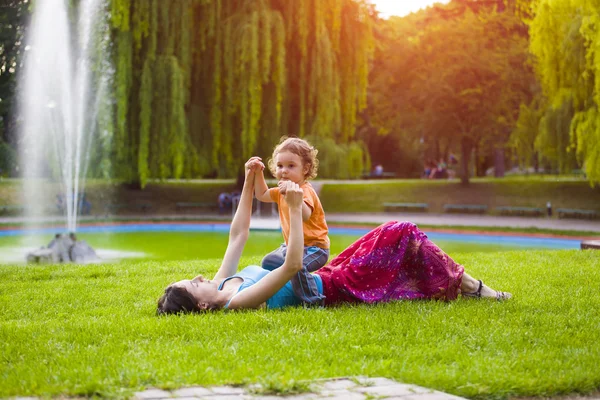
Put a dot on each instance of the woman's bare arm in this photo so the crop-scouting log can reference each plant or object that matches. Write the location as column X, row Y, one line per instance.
column 240, row 226
column 260, row 292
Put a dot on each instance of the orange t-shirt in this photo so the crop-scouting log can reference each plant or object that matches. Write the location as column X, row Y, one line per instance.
column 315, row 228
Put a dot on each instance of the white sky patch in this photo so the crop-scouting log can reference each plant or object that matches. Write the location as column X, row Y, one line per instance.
column 401, row 8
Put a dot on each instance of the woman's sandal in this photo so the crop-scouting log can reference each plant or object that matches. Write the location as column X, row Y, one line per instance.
column 477, row 293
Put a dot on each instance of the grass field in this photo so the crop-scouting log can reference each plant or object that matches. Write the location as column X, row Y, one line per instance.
column 91, row 331
column 516, row 192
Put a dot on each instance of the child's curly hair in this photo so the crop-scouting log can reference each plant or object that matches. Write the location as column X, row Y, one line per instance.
column 300, row 147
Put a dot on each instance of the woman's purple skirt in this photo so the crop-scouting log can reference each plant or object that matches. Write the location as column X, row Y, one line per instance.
column 395, row 261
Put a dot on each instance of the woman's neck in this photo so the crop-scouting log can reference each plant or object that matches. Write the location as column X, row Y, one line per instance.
column 230, row 288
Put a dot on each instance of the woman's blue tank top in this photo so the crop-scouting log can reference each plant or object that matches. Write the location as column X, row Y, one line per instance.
column 283, row 298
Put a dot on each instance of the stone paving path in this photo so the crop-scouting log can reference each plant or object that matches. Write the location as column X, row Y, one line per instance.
column 360, row 388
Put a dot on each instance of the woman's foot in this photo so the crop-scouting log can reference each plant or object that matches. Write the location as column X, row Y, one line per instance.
column 484, row 291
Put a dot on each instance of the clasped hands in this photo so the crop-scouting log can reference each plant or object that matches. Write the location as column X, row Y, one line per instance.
column 292, row 192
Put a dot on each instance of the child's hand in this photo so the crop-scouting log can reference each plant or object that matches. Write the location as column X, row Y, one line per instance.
column 293, row 194
column 282, row 186
column 254, row 164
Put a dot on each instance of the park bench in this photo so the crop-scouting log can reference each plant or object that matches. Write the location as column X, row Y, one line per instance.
column 384, row 175
column 465, row 208
column 575, row 213
column 114, row 208
column 405, row 206
column 185, row 205
column 520, row 211
column 590, row 244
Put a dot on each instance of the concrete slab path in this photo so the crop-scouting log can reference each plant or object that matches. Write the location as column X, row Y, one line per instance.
column 359, row 388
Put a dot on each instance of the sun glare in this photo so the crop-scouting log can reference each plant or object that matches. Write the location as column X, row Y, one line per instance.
column 387, row 8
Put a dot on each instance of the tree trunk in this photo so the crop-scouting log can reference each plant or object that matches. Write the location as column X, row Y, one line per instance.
column 499, row 163
column 464, row 162
column 476, row 163
column 3, row 129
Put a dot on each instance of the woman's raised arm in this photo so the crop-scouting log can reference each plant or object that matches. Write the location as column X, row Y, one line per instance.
column 261, row 291
column 240, row 226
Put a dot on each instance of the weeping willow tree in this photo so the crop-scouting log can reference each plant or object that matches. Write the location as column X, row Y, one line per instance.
column 523, row 137
column 565, row 36
column 202, row 85
column 341, row 160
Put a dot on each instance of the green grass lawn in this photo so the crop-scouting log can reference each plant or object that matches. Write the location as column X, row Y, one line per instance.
column 562, row 192
column 91, row 330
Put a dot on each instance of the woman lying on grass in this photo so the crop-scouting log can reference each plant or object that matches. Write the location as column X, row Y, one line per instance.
column 395, row 261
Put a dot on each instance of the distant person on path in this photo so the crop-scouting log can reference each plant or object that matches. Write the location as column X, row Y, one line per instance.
column 439, row 171
column 224, row 202
column 86, row 206
column 378, row 170
column 295, row 160
column 395, row 261
column 428, row 168
column 83, row 204
column 60, row 203
column 452, row 163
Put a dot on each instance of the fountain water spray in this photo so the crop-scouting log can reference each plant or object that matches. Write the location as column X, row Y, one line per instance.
column 66, row 81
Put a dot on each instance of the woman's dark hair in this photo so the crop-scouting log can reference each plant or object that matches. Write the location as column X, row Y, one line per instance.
column 176, row 300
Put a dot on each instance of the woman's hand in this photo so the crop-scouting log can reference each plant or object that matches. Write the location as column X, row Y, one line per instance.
column 282, row 185
column 240, row 225
column 254, row 164
column 293, row 194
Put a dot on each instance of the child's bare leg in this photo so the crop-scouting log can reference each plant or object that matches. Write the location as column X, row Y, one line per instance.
column 471, row 287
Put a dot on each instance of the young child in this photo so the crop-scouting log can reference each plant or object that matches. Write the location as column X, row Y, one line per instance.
column 296, row 160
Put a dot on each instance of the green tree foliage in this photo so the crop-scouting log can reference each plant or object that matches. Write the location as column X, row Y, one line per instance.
column 340, row 160
column 523, row 137
column 145, row 97
column 564, row 39
column 13, row 16
column 451, row 79
column 201, row 85
column 123, row 80
column 8, row 159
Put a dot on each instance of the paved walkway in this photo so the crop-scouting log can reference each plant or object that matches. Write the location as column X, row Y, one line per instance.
column 359, row 388
column 469, row 220
column 342, row 218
